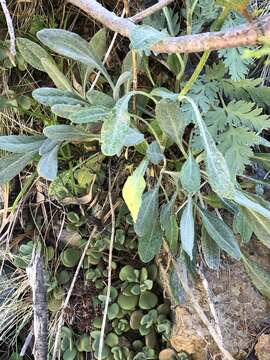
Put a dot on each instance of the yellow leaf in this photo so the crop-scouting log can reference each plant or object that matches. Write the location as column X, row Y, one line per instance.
column 134, row 188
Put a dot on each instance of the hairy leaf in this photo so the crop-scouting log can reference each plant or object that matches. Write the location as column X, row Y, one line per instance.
column 96, row 98
column 220, row 233
column 144, row 36
column 133, row 137
column 12, row 165
column 149, row 244
column 52, row 96
column 59, row 79
column 148, row 213
column 134, row 188
column 187, row 233
column 90, row 115
column 48, row 164
column 259, row 277
column 67, row 133
column 190, row 175
column 169, row 224
column 170, row 120
column 73, row 46
column 211, row 251
column 242, row 226
column 21, row 143
column 154, row 153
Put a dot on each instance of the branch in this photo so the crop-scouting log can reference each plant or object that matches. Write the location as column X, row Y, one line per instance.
column 10, row 27
column 244, row 35
column 150, row 11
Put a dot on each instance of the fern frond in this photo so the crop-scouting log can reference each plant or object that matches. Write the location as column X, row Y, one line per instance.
column 241, row 113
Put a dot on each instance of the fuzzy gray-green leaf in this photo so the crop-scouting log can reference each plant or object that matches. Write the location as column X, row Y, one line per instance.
column 187, row 233
column 12, row 165
column 190, row 176
column 144, row 36
column 90, row 115
column 150, row 243
column 220, row 233
column 211, row 251
column 21, row 143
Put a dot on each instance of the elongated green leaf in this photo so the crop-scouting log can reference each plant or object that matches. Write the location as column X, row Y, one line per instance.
column 116, row 128
column 169, row 224
column 187, row 233
column 121, row 80
column 154, row 153
column 47, row 146
column 243, row 226
column 259, row 224
column 90, row 115
column 259, row 277
column 73, row 46
column 96, row 98
column 170, row 119
column 134, row 188
column 21, row 143
column 33, row 53
column 48, row 164
column 144, row 36
column 65, row 110
column 190, row 175
column 149, row 244
column 148, row 213
column 220, row 233
column 263, row 158
column 241, row 199
column 52, row 96
column 133, row 137
column 217, row 168
column 56, row 75
column 12, row 165
column 67, row 133
column 211, row 251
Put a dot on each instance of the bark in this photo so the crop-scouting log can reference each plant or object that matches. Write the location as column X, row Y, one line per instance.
column 249, row 34
column 37, row 281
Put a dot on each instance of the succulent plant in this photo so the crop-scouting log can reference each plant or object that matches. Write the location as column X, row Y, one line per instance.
column 95, row 345
column 70, row 257
column 67, row 344
column 112, row 340
column 54, row 304
column 137, row 345
column 135, row 319
column 113, row 311
column 64, row 277
column 146, row 354
column 84, row 343
column 121, row 353
column 128, row 273
column 151, row 339
column 127, row 302
column 148, row 300
column 93, row 274
column 120, row 326
column 164, row 327
column 75, row 221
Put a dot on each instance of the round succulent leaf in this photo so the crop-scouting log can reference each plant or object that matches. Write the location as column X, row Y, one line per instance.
column 148, row 300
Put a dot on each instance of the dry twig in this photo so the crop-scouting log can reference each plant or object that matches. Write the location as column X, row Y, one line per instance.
column 250, row 34
column 10, row 27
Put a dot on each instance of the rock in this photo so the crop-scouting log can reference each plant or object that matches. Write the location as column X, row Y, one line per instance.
column 262, row 348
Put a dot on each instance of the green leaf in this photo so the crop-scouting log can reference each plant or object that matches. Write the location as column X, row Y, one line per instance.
column 241, row 199
column 134, row 188
column 169, row 224
column 124, row 77
column 154, row 153
column 190, row 175
column 59, row 79
column 144, row 36
column 116, row 128
column 12, row 165
column 65, row 110
column 96, row 98
column 73, row 46
column 48, row 164
column 33, row 53
column 148, row 213
column 21, row 143
column 243, row 226
column 220, row 233
column 259, row 277
column 259, row 224
column 52, row 96
column 67, row 133
column 149, row 244
column 217, row 168
column 211, row 251
column 170, row 119
column 90, row 115
column 47, row 146
column 187, row 233
column 133, row 137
